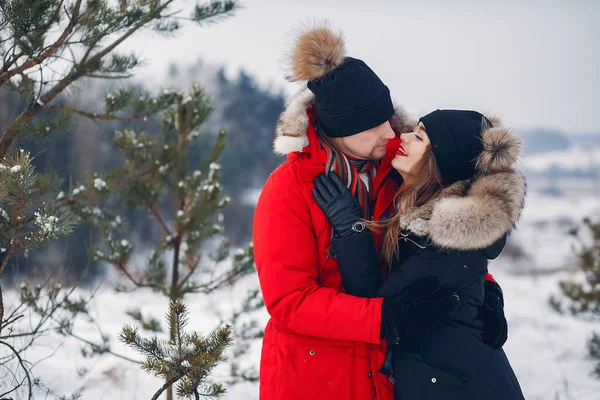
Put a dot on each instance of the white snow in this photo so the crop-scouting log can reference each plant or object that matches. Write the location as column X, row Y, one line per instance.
column 78, row 190
column 47, row 223
column 99, row 184
column 15, row 169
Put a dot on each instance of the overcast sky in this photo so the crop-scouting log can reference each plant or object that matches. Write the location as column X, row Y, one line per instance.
column 536, row 63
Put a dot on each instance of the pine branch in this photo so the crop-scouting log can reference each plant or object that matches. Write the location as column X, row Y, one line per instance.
column 107, row 116
column 159, row 219
column 76, row 72
column 9, row 255
column 136, row 282
column 22, row 364
column 132, row 178
column 191, row 271
column 98, row 56
column 11, row 132
column 4, row 77
column 109, row 77
column 104, row 350
column 166, row 385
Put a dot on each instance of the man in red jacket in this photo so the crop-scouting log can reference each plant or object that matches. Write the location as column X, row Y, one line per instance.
column 321, row 343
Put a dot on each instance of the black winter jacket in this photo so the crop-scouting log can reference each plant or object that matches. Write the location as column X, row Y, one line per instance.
column 450, row 238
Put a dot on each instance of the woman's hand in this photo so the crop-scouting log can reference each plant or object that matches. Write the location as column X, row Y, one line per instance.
column 340, row 207
column 417, row 310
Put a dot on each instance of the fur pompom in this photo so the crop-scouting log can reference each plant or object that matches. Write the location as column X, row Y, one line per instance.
column 317, row 52
column 501, row 150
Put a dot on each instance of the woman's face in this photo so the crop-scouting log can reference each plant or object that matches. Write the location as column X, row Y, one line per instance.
column 412, row 147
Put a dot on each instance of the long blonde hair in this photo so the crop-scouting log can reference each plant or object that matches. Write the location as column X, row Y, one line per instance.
column 425, row 184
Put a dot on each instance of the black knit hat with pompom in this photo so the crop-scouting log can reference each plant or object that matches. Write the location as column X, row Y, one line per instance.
column 349, row 96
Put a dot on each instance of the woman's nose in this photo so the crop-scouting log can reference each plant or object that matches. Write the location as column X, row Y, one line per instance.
column 406, row 137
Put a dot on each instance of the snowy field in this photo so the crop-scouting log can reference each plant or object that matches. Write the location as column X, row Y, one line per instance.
column 547, row 350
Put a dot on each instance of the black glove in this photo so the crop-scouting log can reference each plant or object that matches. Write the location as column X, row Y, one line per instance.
column 495, row 326
column 338, row 204
column 418, row 309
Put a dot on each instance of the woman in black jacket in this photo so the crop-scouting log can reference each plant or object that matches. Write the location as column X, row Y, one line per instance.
column 460, row 198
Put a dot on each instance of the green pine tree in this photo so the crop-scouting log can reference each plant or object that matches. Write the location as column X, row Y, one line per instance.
column 583, row 295
column 157, row 178
column 186, row 359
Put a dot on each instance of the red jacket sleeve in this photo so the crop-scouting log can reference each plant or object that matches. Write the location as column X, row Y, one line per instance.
column 285, row 251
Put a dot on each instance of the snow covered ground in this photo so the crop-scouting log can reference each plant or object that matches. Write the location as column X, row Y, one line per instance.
column 547, row 350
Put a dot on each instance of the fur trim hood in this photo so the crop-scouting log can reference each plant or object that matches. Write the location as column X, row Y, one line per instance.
column 290, row 132
column 470, row 215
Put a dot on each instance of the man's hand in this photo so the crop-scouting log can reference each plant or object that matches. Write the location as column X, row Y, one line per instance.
column 495, row 326
column 341, row 209
column 417, row 310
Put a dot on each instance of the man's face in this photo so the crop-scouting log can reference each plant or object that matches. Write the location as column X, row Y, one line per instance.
column 366, row 145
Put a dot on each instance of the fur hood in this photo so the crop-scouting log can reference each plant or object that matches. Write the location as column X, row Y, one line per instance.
column 290, row 133
column 470, row 215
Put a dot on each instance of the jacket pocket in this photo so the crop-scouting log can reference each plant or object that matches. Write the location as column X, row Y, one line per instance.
column 314, row 370
column 447, row 376
column 419, row 378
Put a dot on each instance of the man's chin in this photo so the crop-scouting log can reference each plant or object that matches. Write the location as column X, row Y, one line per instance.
column 377, row 154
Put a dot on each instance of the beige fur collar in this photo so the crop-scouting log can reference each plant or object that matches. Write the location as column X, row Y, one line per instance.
column 293, row 122
column 470, row 215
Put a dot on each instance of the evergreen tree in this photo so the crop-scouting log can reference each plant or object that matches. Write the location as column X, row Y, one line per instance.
column 583, row 295
column 186, row 359
column 191, row 254
column 25, row 226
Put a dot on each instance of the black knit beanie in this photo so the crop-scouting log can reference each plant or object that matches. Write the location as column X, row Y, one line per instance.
column 351, row 99
column 455, row 137
column 349, row 96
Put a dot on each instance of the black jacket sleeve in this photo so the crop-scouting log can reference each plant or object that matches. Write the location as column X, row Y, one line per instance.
column 358, row 264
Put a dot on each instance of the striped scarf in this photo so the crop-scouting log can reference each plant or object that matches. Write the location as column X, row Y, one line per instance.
column 349, row 171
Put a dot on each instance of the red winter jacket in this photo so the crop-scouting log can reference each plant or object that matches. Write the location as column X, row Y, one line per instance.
column 320, row 343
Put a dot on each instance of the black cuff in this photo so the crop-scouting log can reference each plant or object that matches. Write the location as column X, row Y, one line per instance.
column 358, row 264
